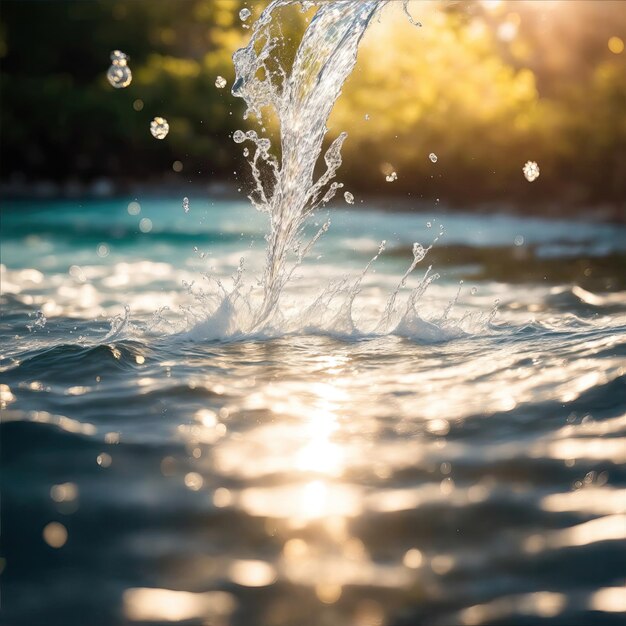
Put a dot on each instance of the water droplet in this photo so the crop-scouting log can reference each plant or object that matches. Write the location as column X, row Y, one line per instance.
column 40, row 321
column 474, row 291
column 349, row 198
column 220, row 82
column 367, row 116
column 134, row 208
column 244, row 14
column 186, row 204
column 104, row 459
column 102, row 250
column 531, row 171
column 246, row 152
column 519, row 240
column 145, row 225
column 119, row 74
column 391, row 177
column 433, row 157
column 159, row 128
column 239, row 136
column 418, row 252
column 429, row 224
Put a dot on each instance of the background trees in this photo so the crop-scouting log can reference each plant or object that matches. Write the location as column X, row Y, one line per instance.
column 484, row 85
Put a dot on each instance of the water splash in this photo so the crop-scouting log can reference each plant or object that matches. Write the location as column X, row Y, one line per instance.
column 286, row 188
column 302, row 99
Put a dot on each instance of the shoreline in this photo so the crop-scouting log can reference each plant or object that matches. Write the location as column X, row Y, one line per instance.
column 106, row 188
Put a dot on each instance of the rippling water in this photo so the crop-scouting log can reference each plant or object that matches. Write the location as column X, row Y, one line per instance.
column 311, row 478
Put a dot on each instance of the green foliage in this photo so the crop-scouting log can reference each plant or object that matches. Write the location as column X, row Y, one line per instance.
column 61, row 118
column 485, row 89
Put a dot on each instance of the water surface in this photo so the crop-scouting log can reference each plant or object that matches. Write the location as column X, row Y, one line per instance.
column 471, row 474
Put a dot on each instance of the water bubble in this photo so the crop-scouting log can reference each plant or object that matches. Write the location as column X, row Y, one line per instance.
column 246, row 152
column 186, row 204
column 433, row 157
column 244, row 14
column 220, row 82
column 239, row 136
column 531, row 171
column 349, row 198
column 119, row 74
column 134, row 208
column 391, row 177
column 145, row 225
column 159, row 128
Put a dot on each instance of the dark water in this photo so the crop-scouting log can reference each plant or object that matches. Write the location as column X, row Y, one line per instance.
column 471, row 474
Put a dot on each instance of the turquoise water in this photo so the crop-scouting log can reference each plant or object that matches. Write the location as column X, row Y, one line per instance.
column 466, row 470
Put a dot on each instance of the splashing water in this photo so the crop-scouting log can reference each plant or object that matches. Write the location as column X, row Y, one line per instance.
column 286, row 189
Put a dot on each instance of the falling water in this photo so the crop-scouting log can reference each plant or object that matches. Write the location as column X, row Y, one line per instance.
column 302, row 101
column 286, row 189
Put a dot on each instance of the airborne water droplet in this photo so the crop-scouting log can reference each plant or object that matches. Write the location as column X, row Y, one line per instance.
column 159, row 128
column 433, row 157
column 239, row 136
column 531, row 171
column 246, row 152
column 119, row 74
column 349, row 198
column 244, row 14
column 391, row 177
column 220, row 82
column 186, row 204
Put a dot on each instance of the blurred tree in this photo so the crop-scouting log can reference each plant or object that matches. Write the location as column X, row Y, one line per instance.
column 61, row 118
column 483, row 85
column 469, row 87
